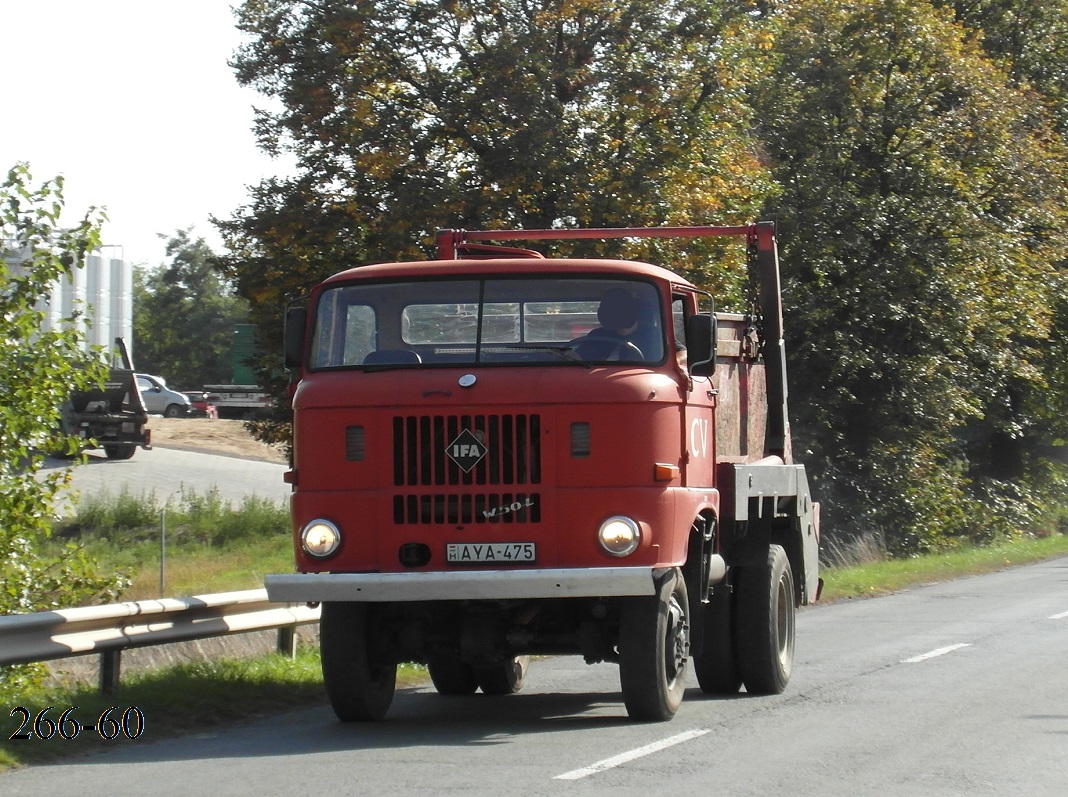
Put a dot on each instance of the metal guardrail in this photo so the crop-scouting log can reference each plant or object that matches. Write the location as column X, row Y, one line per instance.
column 108, row 630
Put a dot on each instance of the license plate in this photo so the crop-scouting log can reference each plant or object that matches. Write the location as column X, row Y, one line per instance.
column 490, row 552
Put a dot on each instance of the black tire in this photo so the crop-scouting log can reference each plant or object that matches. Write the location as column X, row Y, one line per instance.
column 358, row 687
column 765, row 622
column 717, row 667
column 120, row 450
column 503, row 679
column 172, row 411
column 654, row 647
column 451, row 676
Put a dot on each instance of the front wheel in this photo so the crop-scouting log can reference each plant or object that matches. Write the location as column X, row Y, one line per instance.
column 173, row 411
column 654, row 647
column 766, row 616
column 359, row 686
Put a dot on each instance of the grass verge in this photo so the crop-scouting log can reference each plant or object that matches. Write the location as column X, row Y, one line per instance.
column 891, row 575
column 193, row 544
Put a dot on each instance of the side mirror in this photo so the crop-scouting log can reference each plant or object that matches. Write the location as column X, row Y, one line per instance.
column 701, row 344
column 296, row 319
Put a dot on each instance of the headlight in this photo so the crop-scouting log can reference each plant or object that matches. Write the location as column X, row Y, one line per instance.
column 619, row 536
column 320, row 538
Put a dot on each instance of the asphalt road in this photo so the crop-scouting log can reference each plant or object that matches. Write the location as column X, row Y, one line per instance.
column 166, row 472
column 952, row 689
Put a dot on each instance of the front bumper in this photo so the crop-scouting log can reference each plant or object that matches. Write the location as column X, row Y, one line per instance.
column 460, row 585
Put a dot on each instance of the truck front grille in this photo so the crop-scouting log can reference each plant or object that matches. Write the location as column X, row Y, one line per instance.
column 456, row 509
column 511, row 444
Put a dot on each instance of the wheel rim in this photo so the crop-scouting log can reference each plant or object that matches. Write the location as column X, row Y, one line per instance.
column 783, row 620
column 677, row 646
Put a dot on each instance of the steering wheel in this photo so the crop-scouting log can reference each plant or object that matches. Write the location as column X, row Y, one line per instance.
column 606, row 348
column 626, row 352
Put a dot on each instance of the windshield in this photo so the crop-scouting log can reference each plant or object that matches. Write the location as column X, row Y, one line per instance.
column 558, row 320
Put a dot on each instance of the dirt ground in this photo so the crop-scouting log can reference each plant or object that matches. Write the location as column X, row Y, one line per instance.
column 211, row 436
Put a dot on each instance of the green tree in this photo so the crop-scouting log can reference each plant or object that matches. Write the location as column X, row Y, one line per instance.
column 409, row 115
column 184, row 316
column 38, row 370
column 923, row 211
column 1030, row 39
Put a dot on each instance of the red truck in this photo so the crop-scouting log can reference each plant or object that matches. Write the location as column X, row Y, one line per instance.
column 499, row 455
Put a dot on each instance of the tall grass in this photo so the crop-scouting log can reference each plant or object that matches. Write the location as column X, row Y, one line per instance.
column 193, row 516
column 193, row 543
column 866, row 549
column 861, row 567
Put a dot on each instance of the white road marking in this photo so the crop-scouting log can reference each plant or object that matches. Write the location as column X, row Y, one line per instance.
column 1060, row 616
column 631, row 755
column 939, row 652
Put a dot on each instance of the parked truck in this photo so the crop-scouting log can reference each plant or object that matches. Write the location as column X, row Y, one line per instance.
column 241, row 398
column 498, row 455
column 237, row 401
column 114, row 417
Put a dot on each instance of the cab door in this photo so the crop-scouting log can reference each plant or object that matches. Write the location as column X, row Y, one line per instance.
column 699, row 407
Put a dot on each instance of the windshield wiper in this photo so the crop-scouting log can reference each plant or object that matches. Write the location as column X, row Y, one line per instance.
column 388, row 366
column 563, row 352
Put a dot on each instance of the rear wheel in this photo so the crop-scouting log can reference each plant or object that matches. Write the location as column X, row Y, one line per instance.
column 359, row 685
column 120, row 450
column 451, row 676
column 716, row 667
column 503, row 679
column 766, row 615
column 654, row 645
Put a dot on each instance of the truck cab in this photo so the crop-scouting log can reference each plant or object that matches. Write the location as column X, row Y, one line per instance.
column 497, row 455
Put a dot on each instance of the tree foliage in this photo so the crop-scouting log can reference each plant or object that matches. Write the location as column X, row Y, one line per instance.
column 184, row 317
column 923, row 209
column 38, row 370
column 512, row 113
column 1029, row 38
column 409, row 115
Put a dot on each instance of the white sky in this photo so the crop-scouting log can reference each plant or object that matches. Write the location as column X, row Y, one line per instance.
column 133, row 102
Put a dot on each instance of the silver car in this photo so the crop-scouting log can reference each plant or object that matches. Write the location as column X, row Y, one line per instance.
column 160, row 399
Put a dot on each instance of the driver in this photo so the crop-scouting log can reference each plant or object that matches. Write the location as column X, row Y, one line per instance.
column 618, row 316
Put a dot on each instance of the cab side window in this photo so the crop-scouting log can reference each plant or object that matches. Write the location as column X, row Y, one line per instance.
column 678, row 323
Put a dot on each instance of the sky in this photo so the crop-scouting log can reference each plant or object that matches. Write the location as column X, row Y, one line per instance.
column 133, row 103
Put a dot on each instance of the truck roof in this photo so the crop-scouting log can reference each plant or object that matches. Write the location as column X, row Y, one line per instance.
column 508, row 267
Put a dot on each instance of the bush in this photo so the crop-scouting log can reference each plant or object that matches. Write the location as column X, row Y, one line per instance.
column 39, row 369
